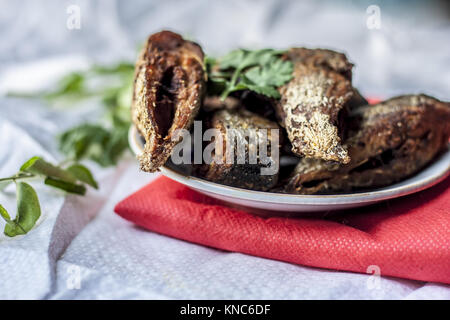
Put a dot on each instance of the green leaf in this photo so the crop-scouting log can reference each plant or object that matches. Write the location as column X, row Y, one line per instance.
column 262, row 71
column 81, row 141
column 216, row 86
column 73, row 83
column 240, row 59
column 65, row 179
column 29, row 163
column 232, row 59
column 4, row 214
column 209, row 63
column 275, row 73
column 4, row 184
column 230, row 89
column 124, row 97
column 257, row 57
column 113, row 86
column 66, row 186
column 37, row 165
column 120, row 68
column 78, row 85
column 83, row 174
column 268, row 91
column 117, row 143
column 104, row 146
column 28, row 211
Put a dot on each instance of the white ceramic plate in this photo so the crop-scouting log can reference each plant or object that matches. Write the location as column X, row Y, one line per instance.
column 268, row 201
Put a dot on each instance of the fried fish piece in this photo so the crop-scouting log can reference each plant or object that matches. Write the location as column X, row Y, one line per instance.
column 212, row 103
column 234, row 127
column 357, row 100
column 387, row 143
column 168, row 89
column 311, row 102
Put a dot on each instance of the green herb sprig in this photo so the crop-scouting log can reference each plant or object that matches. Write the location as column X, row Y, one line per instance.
column 262, row 71
column 103, row 141
column 73, row 178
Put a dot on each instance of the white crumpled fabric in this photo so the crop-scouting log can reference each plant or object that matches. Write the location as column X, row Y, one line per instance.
column 81, row 249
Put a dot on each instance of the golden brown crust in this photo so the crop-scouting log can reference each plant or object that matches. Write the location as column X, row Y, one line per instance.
column 236, row 124
column 387, row 143
column 213, row 103
column 168, row 90
column 310, row 103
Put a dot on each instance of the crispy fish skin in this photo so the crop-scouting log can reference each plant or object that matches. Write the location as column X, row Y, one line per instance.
column 357, row 100
column 168, row 90
column 247, row 175
column 212, row 103
column 310, row 103
column 387, row 143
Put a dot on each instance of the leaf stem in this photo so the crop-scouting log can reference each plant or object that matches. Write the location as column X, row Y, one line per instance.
column 19, row 226
column 236, row 74
column 232, row 84
column 18, row 176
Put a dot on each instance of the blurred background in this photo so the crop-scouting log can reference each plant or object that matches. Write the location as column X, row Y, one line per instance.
column 397, row 46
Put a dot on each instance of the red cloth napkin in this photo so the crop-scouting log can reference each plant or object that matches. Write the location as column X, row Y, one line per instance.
column 407, row 237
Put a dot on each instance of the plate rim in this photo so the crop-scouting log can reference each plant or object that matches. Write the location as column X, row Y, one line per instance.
column 384, row 193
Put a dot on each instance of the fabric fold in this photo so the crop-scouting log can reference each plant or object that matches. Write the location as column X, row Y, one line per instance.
column 407, row 237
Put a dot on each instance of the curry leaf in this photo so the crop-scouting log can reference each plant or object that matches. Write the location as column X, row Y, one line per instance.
column 66, row 186
column 28, row 211
column 123, row 68
column 95, row 142
column 71, row 180
column 112, row 85
column 72, row 84
column 83, row 141
column 83, row 174
column 4, row 214
column 38, row 166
